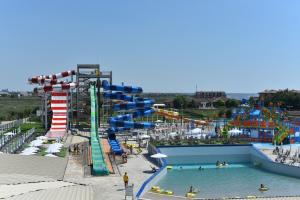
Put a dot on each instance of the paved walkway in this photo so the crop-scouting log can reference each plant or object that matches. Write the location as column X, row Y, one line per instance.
column 111, row 187
column 14, row 190
column 33, row 165
column 76, row 192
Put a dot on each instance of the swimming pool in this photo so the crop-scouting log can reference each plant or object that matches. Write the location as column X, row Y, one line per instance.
column 236, row 180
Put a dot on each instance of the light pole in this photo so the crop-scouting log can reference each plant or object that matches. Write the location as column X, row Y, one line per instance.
column 181, row 119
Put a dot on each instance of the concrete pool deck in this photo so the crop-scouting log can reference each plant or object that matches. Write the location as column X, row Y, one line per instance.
column 269, row 152
column 112, row 187
column 36, row 177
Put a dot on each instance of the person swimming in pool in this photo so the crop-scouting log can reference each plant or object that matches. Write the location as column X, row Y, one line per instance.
column 191, row 189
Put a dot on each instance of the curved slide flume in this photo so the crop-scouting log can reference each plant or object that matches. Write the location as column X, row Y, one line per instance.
column 137, row 107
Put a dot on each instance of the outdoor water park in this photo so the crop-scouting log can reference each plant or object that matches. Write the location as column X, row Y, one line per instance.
column 93, row 135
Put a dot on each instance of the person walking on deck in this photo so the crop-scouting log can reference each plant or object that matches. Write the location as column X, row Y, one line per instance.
column 125, row 179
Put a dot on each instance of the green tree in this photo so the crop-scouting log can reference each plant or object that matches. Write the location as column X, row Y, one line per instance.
column 221, row 113
column 192, row 104
column 225, row 133
column 228, row 113
column 231, row 103
column 219, row 103
column 180, row 102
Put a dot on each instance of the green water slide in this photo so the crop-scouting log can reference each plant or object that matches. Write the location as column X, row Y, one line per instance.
column 99, row 165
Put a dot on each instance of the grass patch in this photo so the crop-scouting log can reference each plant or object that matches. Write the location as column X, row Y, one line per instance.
column 12, row 108
column 63, row 152
column 42, row 152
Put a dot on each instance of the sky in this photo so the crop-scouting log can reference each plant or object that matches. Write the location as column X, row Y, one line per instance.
column 161, row 45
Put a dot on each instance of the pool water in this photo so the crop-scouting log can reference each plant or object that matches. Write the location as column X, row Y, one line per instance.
column 237, row 180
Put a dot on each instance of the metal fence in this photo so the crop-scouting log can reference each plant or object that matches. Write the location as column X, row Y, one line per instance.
column 17, row 141
column 12, row 124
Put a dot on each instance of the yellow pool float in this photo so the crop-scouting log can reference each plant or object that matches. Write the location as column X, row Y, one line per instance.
column 155, row 189
column 263, row 189
column 169, row 167
column 169, row 192
column 161, row 191
column 190, row 195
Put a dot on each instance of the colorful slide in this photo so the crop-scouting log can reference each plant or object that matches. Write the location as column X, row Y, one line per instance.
column 60, row 100
column 98, row 158
column 175, row 116
column 137, row 107
column 283, row 135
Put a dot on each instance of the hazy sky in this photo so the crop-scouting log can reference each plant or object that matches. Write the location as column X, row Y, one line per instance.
column 160, row 45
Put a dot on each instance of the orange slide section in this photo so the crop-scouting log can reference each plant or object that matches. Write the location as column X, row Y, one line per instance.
column 106, row 150
column 175, row 116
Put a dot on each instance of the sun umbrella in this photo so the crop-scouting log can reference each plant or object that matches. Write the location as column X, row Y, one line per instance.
column 173, row 134
column 50, row 155
column 42, row 138
column 30, row 149
column 9, row 134
column 36, row 143
column 27, row 153
column 159, row 155
column 53, row 149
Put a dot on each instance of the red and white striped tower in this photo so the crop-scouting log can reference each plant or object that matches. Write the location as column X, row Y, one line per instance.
column 60, row 100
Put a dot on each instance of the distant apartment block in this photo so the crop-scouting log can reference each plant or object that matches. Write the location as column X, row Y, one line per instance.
column 205, row 99
column 210, row 94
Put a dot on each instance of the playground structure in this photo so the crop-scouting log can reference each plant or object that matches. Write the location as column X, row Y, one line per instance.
column 266, row 124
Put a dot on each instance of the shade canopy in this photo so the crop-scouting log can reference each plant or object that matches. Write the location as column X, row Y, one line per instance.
column 145, row 136
column 235, row 132
column 196, row 131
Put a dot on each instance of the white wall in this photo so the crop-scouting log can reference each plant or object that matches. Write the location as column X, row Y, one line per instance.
column 206, row 154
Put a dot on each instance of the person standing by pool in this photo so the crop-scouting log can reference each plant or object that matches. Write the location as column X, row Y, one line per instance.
column 125, row 179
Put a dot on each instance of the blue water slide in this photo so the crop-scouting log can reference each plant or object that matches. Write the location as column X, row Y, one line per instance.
column 136, row 106
column 125, row 89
